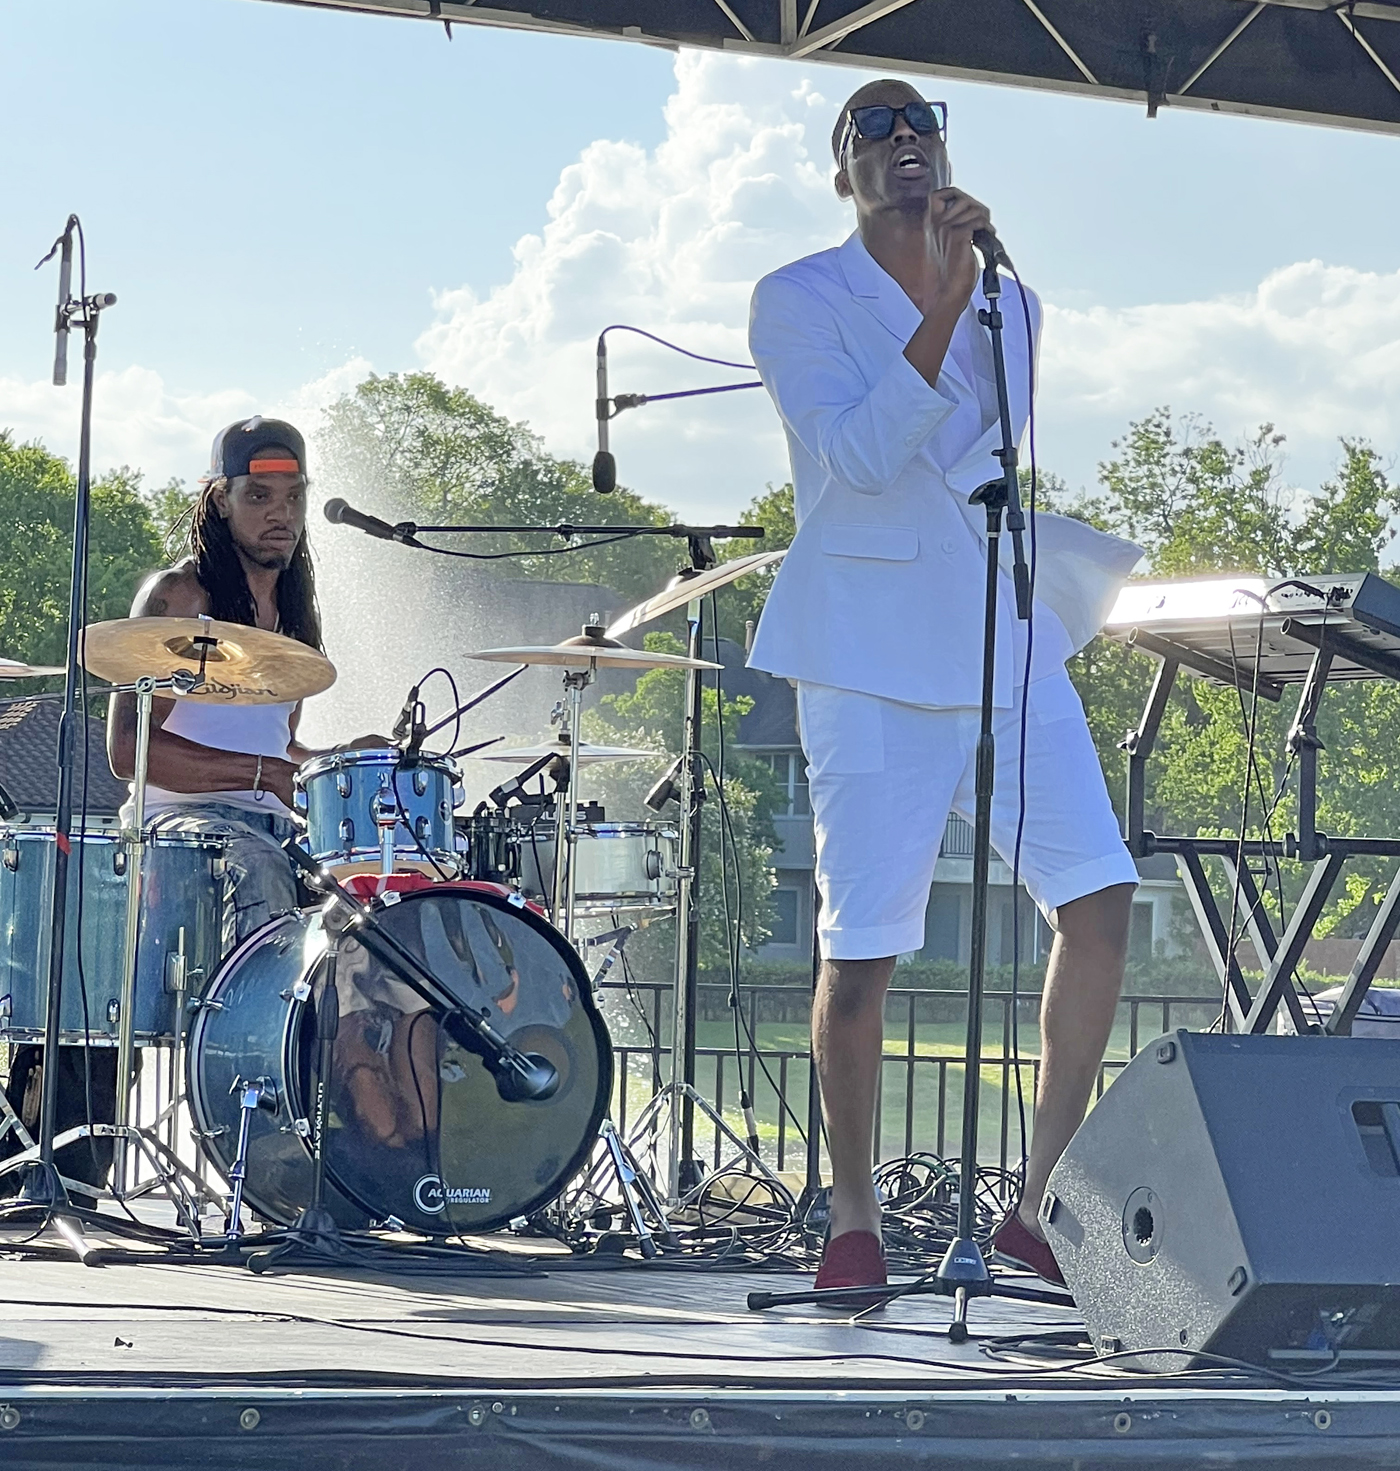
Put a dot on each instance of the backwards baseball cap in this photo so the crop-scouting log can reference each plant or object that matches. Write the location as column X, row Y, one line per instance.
column 257, row 446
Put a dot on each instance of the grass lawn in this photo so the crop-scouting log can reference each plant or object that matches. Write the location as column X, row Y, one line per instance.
column 931, row 1064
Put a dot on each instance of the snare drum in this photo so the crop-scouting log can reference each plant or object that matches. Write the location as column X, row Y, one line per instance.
column 353, row 797
column 178, row 943
column 621, row 865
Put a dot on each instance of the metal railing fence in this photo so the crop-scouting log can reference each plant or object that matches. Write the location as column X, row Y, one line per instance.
column 921, row 1078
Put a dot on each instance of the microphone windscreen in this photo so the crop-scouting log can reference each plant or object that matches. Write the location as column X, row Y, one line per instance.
column 604, row 472
column 335, row 509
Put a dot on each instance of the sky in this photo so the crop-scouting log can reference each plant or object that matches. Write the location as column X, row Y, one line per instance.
column 285, row 200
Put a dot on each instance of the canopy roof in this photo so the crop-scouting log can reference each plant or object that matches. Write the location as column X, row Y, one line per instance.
column 1309, row 60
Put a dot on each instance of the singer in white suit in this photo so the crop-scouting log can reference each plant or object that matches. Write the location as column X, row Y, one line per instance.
column 882, row 376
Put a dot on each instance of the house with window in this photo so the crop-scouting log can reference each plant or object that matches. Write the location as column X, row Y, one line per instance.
column 768, row 733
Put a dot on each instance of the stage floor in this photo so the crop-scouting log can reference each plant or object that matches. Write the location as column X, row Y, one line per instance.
column 629, row 1367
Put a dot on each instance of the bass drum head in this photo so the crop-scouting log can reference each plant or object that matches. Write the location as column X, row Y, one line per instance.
column 422, row 1135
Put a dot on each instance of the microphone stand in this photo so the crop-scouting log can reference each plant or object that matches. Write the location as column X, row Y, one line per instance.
column 519, row 1075
column 43, row 1186
column 962, row 1274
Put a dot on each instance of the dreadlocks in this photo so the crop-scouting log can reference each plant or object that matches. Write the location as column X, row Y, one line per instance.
column 221, row 575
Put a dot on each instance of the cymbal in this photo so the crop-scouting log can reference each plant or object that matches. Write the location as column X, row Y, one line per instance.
column 587, row 754
column 591, row 647
column 242, row 665
column 680, row 590
column 14, row 669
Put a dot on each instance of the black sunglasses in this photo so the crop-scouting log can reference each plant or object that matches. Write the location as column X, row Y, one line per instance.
column 926, row 118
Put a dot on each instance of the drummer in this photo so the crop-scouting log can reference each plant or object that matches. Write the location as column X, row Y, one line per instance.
column 225, row 770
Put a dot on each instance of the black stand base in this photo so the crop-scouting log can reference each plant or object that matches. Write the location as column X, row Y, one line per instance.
column 864, row 1298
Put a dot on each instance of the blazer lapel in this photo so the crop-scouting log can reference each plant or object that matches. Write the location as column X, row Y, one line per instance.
column 885, row 299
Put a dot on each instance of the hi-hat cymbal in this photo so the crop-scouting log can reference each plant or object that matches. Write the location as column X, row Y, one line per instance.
column 14, row 669
column 587, row 754
column 680, row 590
column 591, row 647
column 242, row 665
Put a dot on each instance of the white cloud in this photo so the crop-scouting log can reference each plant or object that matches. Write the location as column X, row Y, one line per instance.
column 1315, row 350
column 672, row 242
column 138, row 420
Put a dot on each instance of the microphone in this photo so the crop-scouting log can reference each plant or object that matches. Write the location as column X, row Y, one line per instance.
column 404, row 725
column 665, row 789
column 992, row 249
column 604, row 466
column 515, row 786
column 61, row 321
column 341, row 514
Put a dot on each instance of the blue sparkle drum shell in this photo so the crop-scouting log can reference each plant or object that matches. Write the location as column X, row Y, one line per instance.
column 416, row 1132
column 178, row 945
column 345, row 792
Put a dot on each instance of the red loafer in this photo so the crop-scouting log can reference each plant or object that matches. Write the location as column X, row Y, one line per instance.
column 1015, row 1244
column 853, row 1259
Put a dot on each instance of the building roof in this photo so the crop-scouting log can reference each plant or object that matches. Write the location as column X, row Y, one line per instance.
column 29, row 760
column 773, row 719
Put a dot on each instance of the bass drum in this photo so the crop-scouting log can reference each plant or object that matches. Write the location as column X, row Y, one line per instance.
column 417, row 1133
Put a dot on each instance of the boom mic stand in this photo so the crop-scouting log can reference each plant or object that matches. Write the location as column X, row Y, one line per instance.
column 42, row 1185
column 962, row 1274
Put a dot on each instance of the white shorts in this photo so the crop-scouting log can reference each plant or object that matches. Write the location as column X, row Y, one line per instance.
column 884, row 776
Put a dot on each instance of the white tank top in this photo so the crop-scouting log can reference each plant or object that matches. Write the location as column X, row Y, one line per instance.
column 253, row 730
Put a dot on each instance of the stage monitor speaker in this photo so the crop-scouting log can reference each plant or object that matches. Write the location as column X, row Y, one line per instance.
column 1237, row 1195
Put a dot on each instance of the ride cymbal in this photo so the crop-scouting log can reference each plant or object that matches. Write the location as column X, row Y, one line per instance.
column 680, row 590
column 241, row 665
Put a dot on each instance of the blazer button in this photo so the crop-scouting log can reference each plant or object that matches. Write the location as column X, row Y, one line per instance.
column 949, row 545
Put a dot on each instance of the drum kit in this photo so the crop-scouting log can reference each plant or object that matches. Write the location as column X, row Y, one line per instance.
column 363, row 1055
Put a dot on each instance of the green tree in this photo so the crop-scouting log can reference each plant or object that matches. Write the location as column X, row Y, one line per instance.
column 37, row 496
column 741, row 602
column 414, row 449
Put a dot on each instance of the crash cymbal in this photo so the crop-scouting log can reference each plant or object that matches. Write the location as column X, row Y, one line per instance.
column 591, row 647
column 13, row 669
column 680, row 590
column 242, row 665
column 587, row 754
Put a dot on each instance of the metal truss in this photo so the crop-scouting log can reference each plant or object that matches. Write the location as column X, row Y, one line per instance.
column 1118, row 54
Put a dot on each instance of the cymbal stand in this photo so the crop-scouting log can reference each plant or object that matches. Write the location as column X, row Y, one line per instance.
column 566, row 834
column 679, row 1099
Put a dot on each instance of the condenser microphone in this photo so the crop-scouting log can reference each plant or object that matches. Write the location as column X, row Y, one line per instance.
column 341, row 514
column 604, row 466
column 992, row 248
column 61, row 321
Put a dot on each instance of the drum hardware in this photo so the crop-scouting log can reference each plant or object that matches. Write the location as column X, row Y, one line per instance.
column 259, row 1093
column 686, row 784
column 581, row 658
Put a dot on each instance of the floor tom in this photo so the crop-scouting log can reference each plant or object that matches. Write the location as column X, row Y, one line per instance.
column 178, row 943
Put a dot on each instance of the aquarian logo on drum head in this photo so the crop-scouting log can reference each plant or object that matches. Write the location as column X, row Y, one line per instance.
column 432, row 1198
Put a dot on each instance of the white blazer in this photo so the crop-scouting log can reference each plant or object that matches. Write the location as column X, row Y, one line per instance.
column 882, row 589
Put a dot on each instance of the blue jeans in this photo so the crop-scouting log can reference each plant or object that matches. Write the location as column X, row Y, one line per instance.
column 261, row 881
